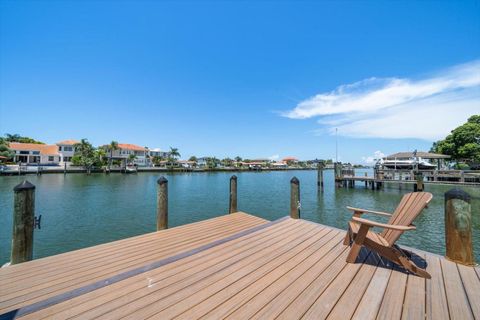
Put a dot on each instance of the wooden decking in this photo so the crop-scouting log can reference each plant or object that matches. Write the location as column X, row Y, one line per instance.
column 237, row 267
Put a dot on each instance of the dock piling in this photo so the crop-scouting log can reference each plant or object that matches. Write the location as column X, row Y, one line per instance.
column 23, row 222
column 320, row 176
column 233, row 195
column 295, row 198
column 418, row 186
column 162, row 203
column 458, row 227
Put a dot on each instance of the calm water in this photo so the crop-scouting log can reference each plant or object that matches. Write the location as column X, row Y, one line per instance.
column 80, row 211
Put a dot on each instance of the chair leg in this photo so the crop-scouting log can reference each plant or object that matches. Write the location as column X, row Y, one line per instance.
column 357, row 243
column 413, row 268
column 353, row 254
column 348, row 238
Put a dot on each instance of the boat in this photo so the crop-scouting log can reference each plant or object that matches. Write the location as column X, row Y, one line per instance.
column 130, row 169
column 408, row 164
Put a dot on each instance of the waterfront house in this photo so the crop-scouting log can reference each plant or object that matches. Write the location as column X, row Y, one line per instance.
column 202, row 162
column 279, row 165
column 35, row 154
column 126, row 149
column 290, row 160
column 156, row 152
column 434, row 158
column 66, row 150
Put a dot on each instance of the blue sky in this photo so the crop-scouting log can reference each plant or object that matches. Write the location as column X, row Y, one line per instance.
column 256, row 79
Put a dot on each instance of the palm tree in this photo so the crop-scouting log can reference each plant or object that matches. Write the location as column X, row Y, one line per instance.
column 100, row 156
column 131, row 158
column 112, row 147
column 12, row 137
column 174, row 153
column 85, row 153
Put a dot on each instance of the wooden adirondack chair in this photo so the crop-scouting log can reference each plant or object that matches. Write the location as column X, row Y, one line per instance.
column 359, row 233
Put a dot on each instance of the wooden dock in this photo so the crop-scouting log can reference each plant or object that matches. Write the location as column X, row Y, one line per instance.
column 236, row 266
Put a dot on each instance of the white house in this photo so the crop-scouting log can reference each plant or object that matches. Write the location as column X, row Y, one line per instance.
column 158, row 153
column 36, row 154
column 202, row 162
column 66, row 150
column 126, row 149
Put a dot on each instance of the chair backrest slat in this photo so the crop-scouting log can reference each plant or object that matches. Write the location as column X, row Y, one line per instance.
column 407, row 210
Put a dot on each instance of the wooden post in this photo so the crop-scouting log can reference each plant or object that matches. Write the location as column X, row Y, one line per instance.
column 64, row 167
column 233, row 194
column 320, row 176
column 462, row 176
column 295, row 198
column 458, row 227
column 418, row 186
column 23, row 222
column 162, row 203
column 366, row 175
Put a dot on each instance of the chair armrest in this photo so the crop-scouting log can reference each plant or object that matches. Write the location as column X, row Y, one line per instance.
column 371, row 223
column 370, row 211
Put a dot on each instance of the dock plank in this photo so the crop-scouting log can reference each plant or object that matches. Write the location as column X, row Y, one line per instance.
column 458, row 303
column 414, row 302
column 372, row 299
column 263, row 291
column 237, row 267
column 436, row 304
column 472, row 288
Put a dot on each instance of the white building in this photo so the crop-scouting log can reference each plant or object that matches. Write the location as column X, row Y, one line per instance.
column 66, row 150
column 36, row 154
column 126, row 149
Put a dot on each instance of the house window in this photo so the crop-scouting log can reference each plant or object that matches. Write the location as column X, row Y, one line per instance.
column 59, row 148
column 35, row 152
column 67, row 148
column 24, row 152
column 51, row 158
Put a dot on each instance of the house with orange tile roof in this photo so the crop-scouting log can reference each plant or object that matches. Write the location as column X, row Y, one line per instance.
column 35, row 154
column 126, row 149
column 67, row 150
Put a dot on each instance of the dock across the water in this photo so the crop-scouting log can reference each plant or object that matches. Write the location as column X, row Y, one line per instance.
column 236, row 266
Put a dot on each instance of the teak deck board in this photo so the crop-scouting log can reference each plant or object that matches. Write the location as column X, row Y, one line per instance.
column 237, row 266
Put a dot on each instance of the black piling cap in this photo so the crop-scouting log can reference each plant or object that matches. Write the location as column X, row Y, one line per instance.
column 162, row 180
column 295, row 180
column 25, row 185
column 457, row 193
column 234, row 177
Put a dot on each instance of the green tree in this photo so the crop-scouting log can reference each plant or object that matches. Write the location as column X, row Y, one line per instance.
column 18, row 138
column 100, row 156
column 238, row 159
column 84, row 155
column 174, row 154
column 227, row 162
column 131, row 158
column 112, row 146
column 463, row 143
column 193, row 158
column 4, row 150
column 157, row 159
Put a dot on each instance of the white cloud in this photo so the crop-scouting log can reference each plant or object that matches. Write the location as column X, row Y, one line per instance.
column 398, row 108
column 373, row 159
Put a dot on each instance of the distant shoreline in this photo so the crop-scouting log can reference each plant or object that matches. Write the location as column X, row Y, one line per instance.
column 49, row 170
